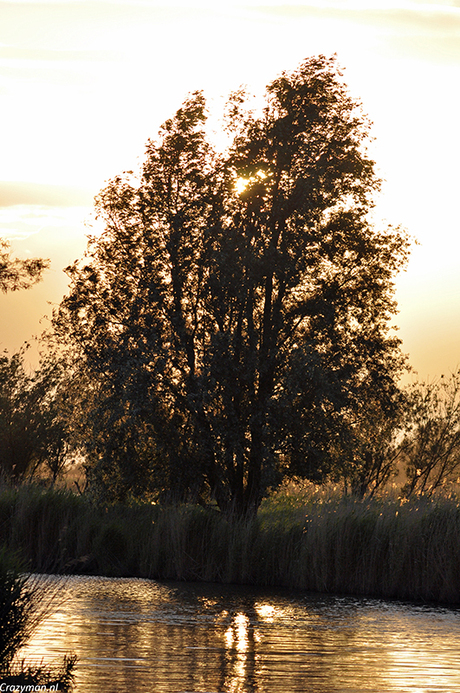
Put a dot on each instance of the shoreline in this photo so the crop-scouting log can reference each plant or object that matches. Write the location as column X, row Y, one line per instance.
column 396, row 550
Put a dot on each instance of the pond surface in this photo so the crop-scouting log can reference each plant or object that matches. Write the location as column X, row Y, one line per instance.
column 144, row 636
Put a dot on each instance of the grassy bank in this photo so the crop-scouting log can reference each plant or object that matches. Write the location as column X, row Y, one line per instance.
column 392, row 549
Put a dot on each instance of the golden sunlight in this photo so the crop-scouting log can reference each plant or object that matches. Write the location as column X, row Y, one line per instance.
column 241, row 183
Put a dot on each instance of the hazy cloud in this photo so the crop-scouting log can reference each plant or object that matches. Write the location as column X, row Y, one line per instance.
column 19, row 193
column 80, row 26
column 44, row 54
column 23, row 222
column 424, row 30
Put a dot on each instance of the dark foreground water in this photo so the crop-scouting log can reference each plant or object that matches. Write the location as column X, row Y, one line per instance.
column 139, row 635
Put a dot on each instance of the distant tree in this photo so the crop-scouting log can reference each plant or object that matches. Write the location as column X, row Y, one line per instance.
column 236, row 308
column 24, row 417
column 33, row 433
column 432, row 443
column 372, row 443
column 18, row 274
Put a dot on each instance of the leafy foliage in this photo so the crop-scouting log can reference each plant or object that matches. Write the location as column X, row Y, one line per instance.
column 373, row 443
column 18, row 274
column 236, row 308
column 32, row 430
column 433, row 440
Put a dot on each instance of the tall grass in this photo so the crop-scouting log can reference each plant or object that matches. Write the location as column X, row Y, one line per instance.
column 24, row 602
column 315, row 541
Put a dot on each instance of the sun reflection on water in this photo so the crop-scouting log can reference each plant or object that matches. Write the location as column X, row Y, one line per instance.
column 142, row 636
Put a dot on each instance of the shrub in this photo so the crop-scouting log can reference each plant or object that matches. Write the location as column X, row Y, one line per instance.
column 24, row 602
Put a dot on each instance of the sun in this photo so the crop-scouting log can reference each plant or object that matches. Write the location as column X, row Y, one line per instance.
column 242, row 183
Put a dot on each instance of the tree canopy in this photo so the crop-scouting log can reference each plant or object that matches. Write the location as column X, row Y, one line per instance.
column 231, row 318
column 33, row 433
column 18, row 274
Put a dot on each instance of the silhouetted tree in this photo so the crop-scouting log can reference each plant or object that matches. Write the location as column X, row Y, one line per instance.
column 33, row 432
column 18, row 274
column 432, row 443
column 236, row 307
column 372, row 442
column 26, row 422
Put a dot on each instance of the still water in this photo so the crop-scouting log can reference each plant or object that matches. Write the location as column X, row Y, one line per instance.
column 144, row 636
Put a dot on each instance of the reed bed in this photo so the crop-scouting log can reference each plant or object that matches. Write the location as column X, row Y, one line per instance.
column 324, row 542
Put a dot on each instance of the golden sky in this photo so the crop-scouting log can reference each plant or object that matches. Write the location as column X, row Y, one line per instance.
column 84, row 84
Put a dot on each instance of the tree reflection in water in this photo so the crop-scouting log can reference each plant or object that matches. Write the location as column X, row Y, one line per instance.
column 139, row 635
